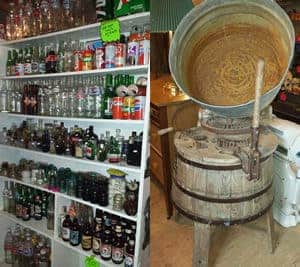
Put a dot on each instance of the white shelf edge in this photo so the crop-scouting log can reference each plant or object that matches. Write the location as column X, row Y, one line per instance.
column 105, row 209
column 31, row 224
column 122, row 20
column 92, row 120
column 86, row 253
column 138, row 69
column 83, row 161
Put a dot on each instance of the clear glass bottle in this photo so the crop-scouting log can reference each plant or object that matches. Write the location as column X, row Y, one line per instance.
column 5, row 197
column 8, row 247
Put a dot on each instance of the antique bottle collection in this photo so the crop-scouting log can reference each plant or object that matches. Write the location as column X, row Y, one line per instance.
column 109, row 97
column 76, row 142
column 31, row 18
column 68, row 56
column 24, row 248
column 26, row 203
column 107, row 236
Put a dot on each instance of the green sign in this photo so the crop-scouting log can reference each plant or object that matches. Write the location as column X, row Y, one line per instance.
column 91, row 262
column 110, row 31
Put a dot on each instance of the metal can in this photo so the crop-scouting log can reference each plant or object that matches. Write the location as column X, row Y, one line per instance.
column 100, row 58
column 133, row 53
column 117, row 108
column 128, row 108
column 109, row 56
column 120, row 55
column 144, row 52
column 139, row 107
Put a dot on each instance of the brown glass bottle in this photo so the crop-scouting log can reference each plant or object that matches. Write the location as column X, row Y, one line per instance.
column 75, row 233
column 66, row 228
column 106, row 245
column 129, row 254
column 75, row 137
column 87, row 236
column 118, row 246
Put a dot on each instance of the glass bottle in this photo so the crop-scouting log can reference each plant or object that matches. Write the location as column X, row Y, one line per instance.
column 61, row 219
column 106, row 105
column 8, row 247
column 26, row 207
column 102, row 149
column 60, row 140
column 68, row 56
column 50, row 213
column 9, row 64
column 10, row 22
column 114, row 153
column 87, row 235
column 61, row 57
column 35, row 61
column 38, row 206
column 80, row 99
column 5, row 197
column 90, row 143
column 106, row 245
column 27, row 250
column 42, row 60
column 20, row 64
column 27, row 21
column 46, row 21
column 129, row 254
column 11, row 194
column 118, row 246
column 66, row 228
column 51, row 60
column 28, row 59
column 75, row 233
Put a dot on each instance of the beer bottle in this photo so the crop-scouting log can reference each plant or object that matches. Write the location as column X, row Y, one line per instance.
column 66, row 228
column 87, row 235
column 106, row 245
column 38, row 206
column 75, row 233
column 129, row 254
column 118, row 246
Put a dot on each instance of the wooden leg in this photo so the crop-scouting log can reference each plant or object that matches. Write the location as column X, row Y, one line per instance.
column 201, row 244
column 271, row 236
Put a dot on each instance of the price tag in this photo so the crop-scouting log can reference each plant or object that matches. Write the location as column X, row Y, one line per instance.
column 110, row 30
column 91, row 262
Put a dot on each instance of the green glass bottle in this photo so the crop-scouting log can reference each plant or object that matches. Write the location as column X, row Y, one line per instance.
column 106, row 105
column 9, row 64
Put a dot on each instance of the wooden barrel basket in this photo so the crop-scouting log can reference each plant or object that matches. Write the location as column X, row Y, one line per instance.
column 210, row 186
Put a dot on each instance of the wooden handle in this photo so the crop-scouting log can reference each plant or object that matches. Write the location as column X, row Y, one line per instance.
column 258, row 89
column 165, row 131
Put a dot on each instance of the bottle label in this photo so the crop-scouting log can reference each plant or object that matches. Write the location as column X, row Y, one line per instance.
column 19, row 69
column 128, row 260
column 74, row 237
column 86, row 242
column 27, row 251
column 34, row 67
column 42, row 67
column 66, row 233
column 88, row 151
column 108, row 107
column 27, row 68
column 105, row 250
column 37, row 209
column 117, row 254
column 78, row 151
column 96, row 244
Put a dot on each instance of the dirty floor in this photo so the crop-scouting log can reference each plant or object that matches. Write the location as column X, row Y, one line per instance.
column 237, row 246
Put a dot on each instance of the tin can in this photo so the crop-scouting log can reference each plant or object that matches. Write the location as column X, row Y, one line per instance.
column 133, row 53
column 100, row 58
column 87, row 60
column 120, row 55
column 117, row 108
column 78, row 60
column 144, row 52
column 139, row 107
column 128, row 108
column 109, row 56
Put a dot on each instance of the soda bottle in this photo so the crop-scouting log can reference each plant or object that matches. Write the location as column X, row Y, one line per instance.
column 27, row 250
column 106, row 105
column 5, row 197
column 9, row 64
column 8, row 246
column 51, row 60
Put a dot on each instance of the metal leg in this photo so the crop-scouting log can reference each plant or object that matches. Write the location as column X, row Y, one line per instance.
column 270, row 231
column 201, row 244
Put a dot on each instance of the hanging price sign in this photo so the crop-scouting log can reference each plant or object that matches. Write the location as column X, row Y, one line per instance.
column 110, row 31
column 91, row 262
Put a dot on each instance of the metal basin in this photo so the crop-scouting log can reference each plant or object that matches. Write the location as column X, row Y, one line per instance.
column 215, row 15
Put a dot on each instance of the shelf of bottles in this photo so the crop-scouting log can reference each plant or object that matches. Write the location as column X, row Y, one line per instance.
column 25, row 246
column 61, row 72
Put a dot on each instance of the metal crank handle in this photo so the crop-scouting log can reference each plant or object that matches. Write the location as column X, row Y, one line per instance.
column 165, row 131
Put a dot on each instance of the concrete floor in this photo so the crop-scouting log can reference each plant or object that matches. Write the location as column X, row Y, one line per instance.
column 237, row 246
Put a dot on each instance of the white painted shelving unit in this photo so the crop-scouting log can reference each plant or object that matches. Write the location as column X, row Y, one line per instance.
column 64, row 254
